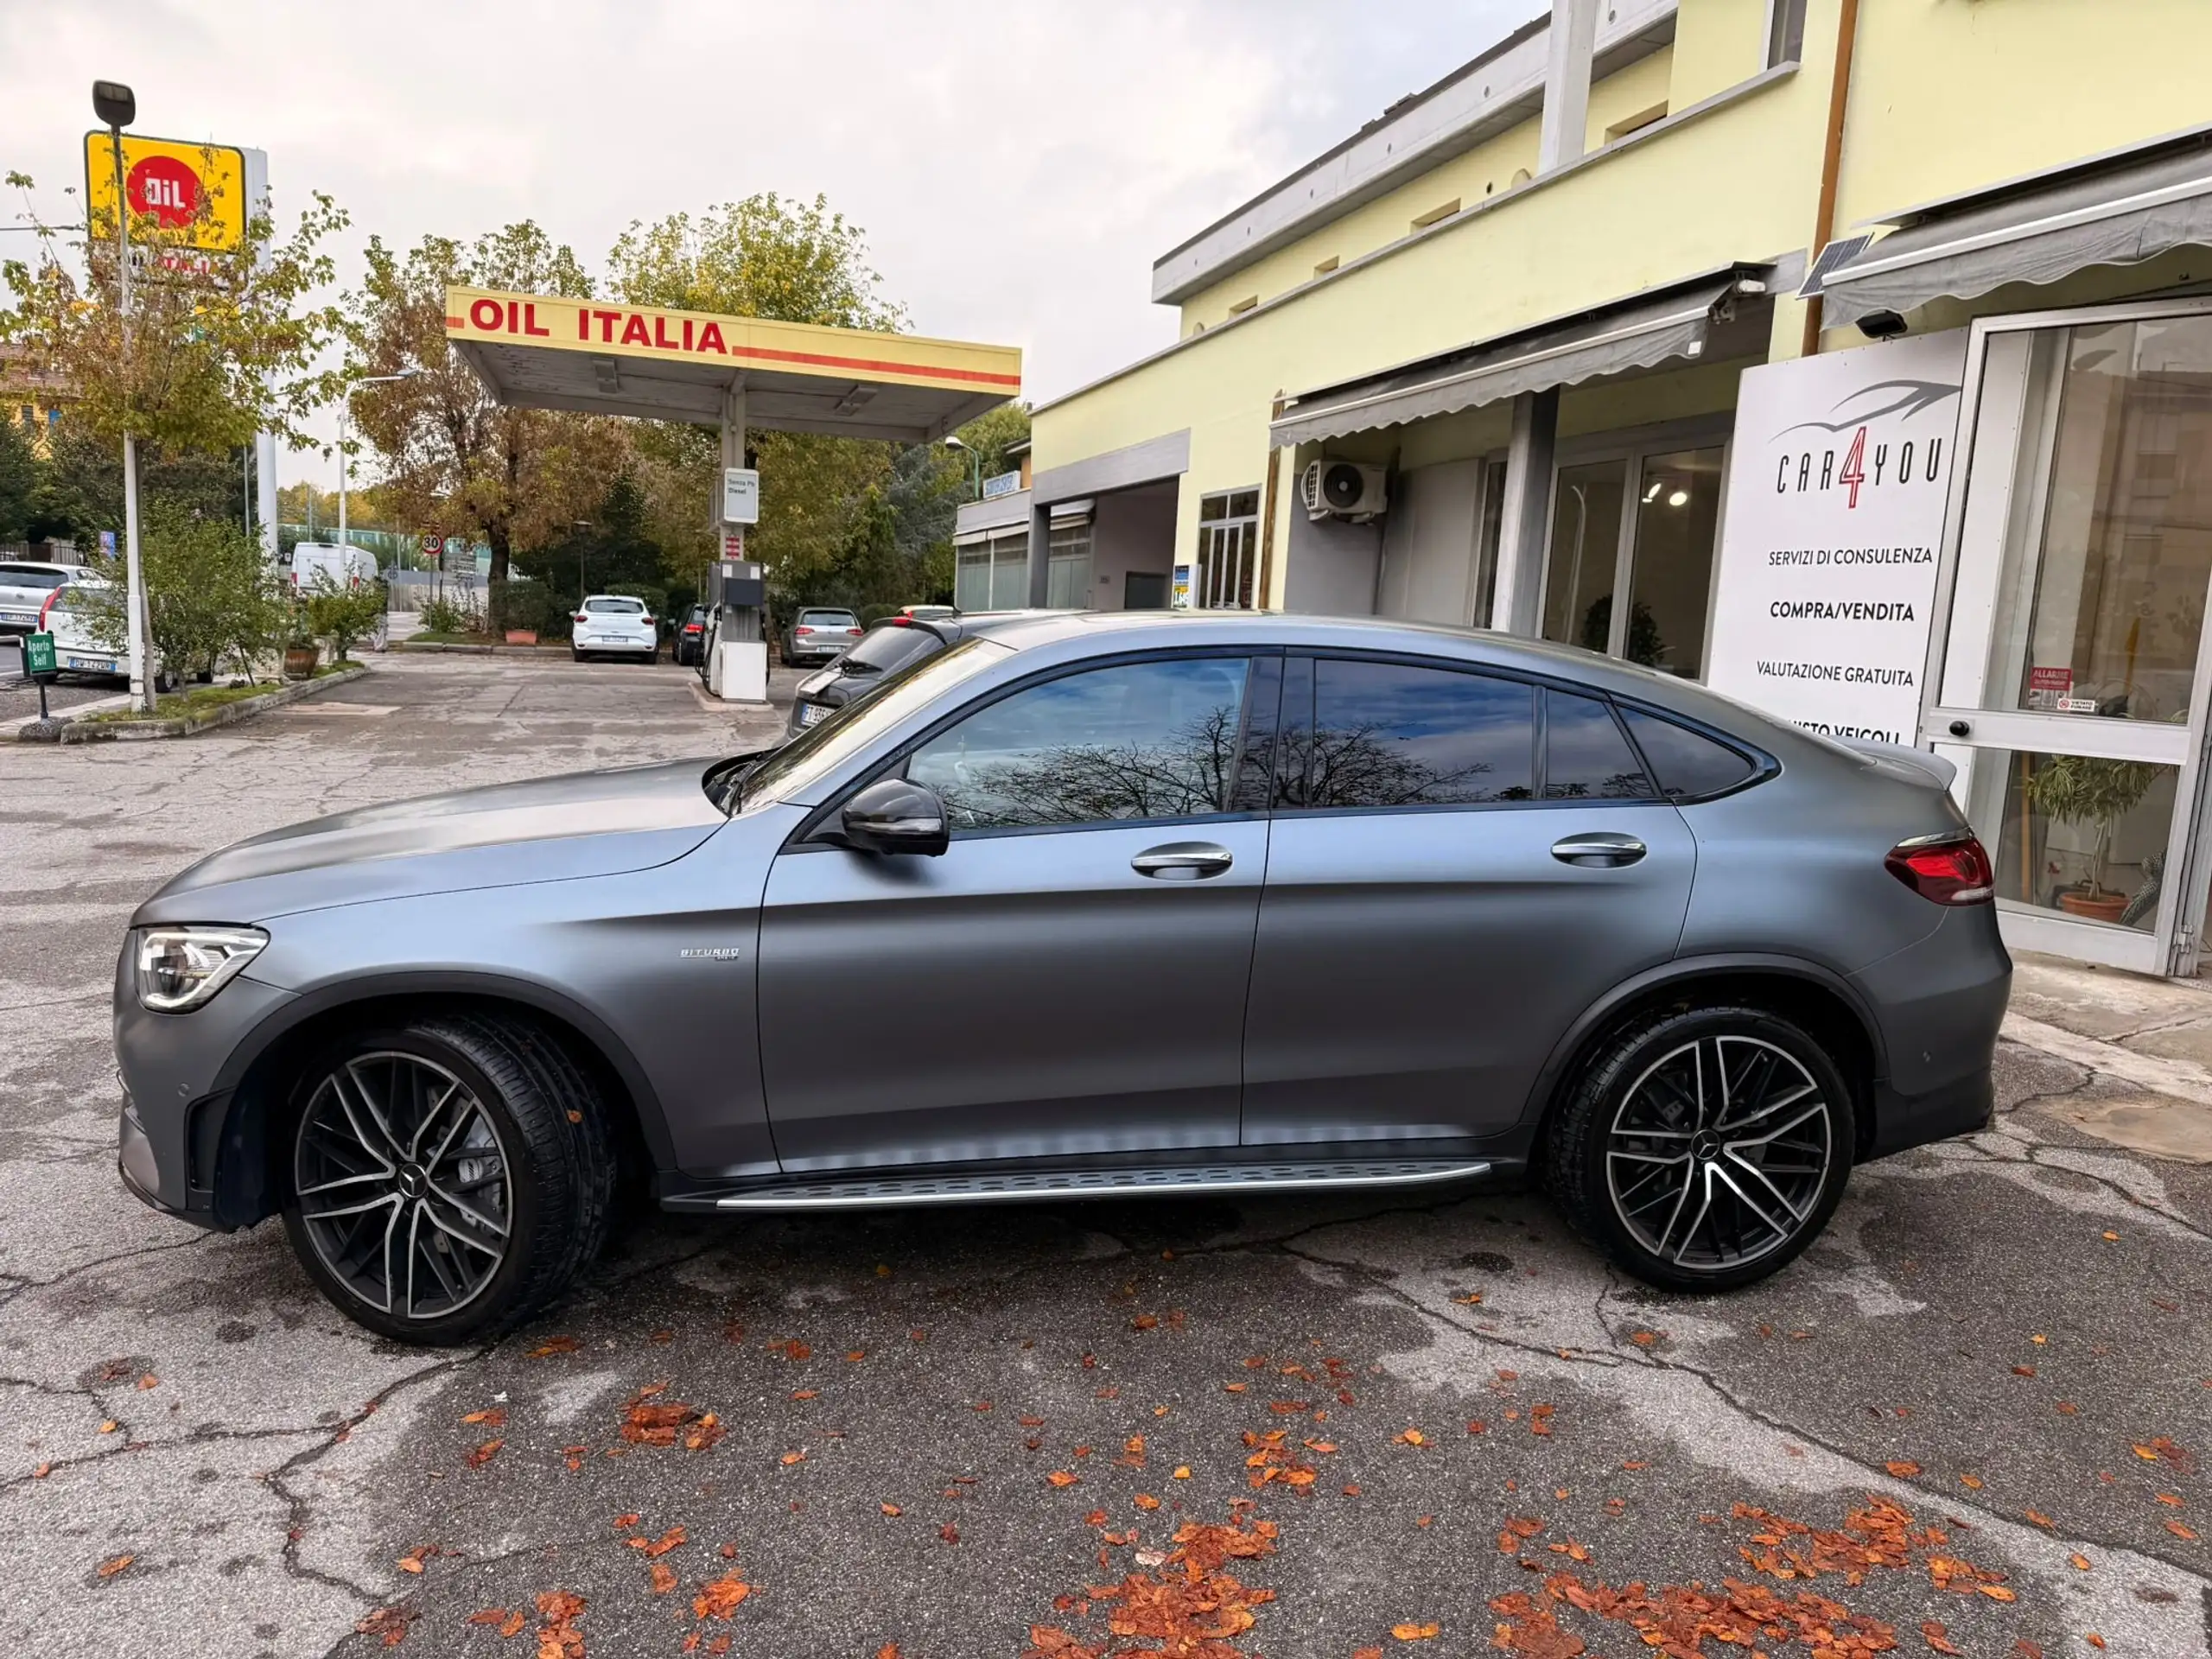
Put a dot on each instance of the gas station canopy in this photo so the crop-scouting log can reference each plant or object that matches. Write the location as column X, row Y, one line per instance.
column 539, row 350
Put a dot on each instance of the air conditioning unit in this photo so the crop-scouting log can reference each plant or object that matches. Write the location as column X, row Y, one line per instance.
column 1343, row 489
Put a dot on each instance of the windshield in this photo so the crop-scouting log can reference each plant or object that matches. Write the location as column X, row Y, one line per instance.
column 822, row 747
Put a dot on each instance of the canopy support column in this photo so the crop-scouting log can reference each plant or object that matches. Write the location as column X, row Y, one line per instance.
column 1528, row 502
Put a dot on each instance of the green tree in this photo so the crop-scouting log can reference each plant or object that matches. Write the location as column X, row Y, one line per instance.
column 78, row 490
column 453, row 460
column 209, row 592
column 614, row 546
column 19, row 475
column 795, row 261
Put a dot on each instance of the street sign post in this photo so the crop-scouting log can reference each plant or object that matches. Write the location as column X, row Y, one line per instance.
column 39, row 664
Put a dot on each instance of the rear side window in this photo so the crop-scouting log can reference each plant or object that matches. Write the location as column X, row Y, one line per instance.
column 887, row 648
column 1388, row 734
column 1689, row 765
column 1585, row 756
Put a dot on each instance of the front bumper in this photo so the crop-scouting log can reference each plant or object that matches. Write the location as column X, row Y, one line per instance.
column 175, row 1069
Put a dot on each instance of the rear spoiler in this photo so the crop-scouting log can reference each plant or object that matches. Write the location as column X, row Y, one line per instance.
column 1930, row 765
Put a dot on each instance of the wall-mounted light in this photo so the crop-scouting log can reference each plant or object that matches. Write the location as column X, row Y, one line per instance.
column 1679, row 499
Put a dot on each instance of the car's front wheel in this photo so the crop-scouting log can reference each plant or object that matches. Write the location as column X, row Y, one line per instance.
column 448, row 1177
column 1702, row 1149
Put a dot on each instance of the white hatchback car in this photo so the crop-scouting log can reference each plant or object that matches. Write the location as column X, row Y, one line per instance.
column 69, row 615
column 26, row 584
column 615, row 623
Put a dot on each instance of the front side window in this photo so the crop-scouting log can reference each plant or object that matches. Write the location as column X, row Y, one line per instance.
column 1128, row 742
column 1392, row 734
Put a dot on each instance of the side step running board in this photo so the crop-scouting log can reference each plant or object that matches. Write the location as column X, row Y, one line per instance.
column 883, row 1191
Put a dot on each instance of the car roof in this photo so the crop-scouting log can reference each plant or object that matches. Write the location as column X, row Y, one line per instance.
column 41, row 564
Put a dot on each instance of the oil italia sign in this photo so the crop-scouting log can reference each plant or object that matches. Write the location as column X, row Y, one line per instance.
column 1837, row 483
column 199, row 189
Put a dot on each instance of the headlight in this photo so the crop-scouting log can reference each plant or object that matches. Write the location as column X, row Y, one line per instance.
column 180, row 967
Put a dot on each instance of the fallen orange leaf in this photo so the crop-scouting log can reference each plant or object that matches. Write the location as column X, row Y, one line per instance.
column 109, row 1568
column 663, row 1578
column 890, row 1508
column 718, row 1597
column 1903, row 1468
column 1062, row 1477
column 791, row 1458
column 1410, row 1632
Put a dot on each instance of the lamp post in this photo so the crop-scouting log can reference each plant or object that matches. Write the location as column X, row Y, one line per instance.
column 117, row 107
column 975, row 461
column 345, row 410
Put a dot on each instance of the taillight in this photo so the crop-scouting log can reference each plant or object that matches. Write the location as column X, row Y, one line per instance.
column 902, row 621
column 649, row 621
column 854, row 632
column 1951, row 869
column 691, row 627
column 46, row 607
column 579, row 617
column 802, row 629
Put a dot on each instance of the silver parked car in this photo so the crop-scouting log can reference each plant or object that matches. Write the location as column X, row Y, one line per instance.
column 26, row 584
column 816, row 635
column 1146, row 903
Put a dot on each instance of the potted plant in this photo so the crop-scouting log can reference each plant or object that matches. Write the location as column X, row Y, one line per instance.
column 302, row 652
column 2090, row 789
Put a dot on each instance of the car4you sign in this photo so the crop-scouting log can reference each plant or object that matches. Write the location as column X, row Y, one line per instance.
column 1836, row 491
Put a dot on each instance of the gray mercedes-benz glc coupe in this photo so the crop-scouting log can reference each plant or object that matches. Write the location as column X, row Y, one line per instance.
column 1083, row 905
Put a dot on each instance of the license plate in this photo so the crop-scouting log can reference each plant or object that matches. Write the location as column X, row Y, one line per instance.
column 89, row 664
column 810, row 712
column 18, row 616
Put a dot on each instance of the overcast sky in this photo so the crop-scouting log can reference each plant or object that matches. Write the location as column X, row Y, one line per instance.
column 1017, row 167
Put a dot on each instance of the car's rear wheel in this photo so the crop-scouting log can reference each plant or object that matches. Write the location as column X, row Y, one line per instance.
column 1702, row 1149
column 446, row 1178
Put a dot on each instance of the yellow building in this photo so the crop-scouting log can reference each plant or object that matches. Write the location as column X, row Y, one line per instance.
column 30, row 403
column 1496, row 360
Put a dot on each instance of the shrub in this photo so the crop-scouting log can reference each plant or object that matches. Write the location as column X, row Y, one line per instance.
column 209, row 593
column 444, row 616
column 518, row 602
column 342, row 615
column 656, row 598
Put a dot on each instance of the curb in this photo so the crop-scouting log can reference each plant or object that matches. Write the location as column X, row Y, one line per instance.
column 409, row 648
column 229, row 714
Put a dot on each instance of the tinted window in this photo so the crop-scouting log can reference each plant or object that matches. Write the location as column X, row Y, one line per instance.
column 1585, row 756
column 628, row 606
column 887, row 648
column 1687, row 764
column 1386, row 735
column 31, row 575
column 1136, row 740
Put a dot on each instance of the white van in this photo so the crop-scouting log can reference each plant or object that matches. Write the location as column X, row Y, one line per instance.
column 346, row 567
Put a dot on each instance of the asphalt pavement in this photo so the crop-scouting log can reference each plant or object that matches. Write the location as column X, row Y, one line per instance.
column 1972, row 1418
column 19, row 696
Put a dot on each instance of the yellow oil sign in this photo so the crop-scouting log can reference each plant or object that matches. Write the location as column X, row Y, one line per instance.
column 198, row 190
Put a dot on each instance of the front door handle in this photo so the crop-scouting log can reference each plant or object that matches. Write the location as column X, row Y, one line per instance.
column 1182, row 861
column 1600, row 850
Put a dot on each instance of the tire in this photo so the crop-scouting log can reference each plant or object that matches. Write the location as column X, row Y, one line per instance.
column 1744, row 1205
column 526, row 1142
column 574, row 656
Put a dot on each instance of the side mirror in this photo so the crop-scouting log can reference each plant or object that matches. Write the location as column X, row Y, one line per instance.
column 893, row 815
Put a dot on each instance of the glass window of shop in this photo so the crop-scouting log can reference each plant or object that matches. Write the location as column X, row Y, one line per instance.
column 992, row 573
column 1645, row 521
column 2086, row 542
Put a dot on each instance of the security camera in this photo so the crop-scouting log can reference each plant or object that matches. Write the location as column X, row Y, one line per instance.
column 1881, row 325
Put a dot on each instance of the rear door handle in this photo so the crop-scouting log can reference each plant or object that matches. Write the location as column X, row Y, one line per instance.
column 1600, row 850
column 1182, row 861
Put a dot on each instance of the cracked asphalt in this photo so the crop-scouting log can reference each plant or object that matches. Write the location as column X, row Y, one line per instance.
column 2005, row 1339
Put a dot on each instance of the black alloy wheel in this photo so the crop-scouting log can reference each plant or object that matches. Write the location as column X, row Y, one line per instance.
column 1704, row 1149
column 447, row 1178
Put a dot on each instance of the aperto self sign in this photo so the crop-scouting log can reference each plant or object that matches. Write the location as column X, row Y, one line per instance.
column 38, row 655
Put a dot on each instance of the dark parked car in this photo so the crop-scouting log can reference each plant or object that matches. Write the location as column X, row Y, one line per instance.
column 1144, row 903
column 692, row 638
column 888, row 645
